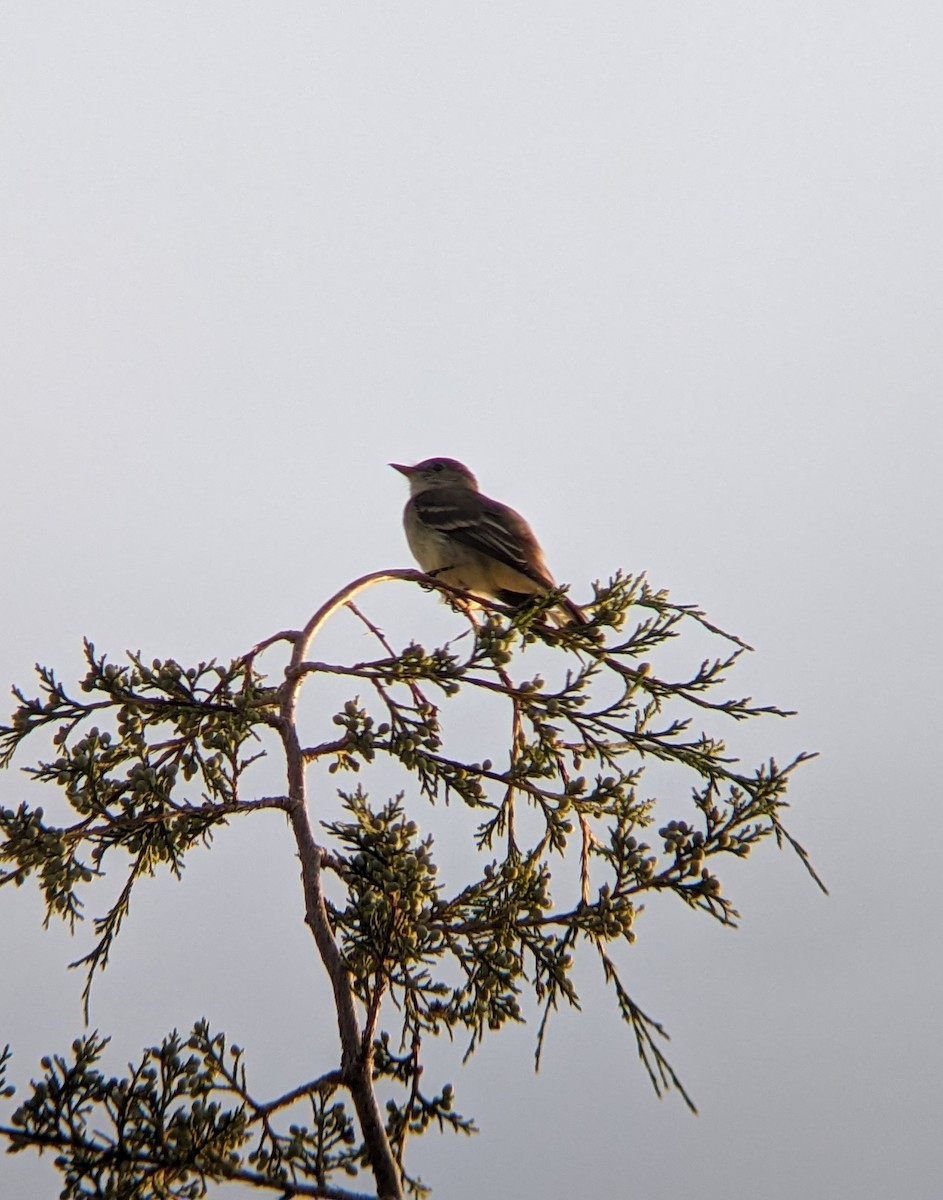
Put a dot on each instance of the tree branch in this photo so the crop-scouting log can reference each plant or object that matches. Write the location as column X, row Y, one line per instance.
column 355, row 1058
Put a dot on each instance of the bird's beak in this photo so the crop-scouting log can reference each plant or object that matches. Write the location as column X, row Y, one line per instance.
column 407, row 471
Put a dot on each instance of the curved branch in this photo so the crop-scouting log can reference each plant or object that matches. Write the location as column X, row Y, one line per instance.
column 404, row 574
column 356, row 1058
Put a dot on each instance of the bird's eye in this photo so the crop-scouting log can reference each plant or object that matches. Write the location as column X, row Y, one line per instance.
column 437, row 466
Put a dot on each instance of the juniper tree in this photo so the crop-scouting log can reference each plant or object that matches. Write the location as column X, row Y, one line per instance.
column 153, row 758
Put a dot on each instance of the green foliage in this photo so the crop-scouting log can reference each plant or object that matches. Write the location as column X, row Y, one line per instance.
column 165, row 1130
column 564, row 851
column 176, row 730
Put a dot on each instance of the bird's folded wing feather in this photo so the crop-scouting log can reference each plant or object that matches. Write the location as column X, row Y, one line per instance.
column 485, row 526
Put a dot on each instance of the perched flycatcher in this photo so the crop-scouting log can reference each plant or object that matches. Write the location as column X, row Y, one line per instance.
column 467, row 540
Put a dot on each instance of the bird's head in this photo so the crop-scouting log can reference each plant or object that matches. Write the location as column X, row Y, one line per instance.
column 436, row 473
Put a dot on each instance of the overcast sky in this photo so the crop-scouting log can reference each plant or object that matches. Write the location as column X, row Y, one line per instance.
column 668, row 277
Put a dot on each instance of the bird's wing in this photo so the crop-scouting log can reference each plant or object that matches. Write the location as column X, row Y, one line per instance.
column 485, row 526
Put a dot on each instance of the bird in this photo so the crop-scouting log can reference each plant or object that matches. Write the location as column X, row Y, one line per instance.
column 468, row 540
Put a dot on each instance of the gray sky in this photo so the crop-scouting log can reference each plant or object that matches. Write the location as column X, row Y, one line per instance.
column 669, row 278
